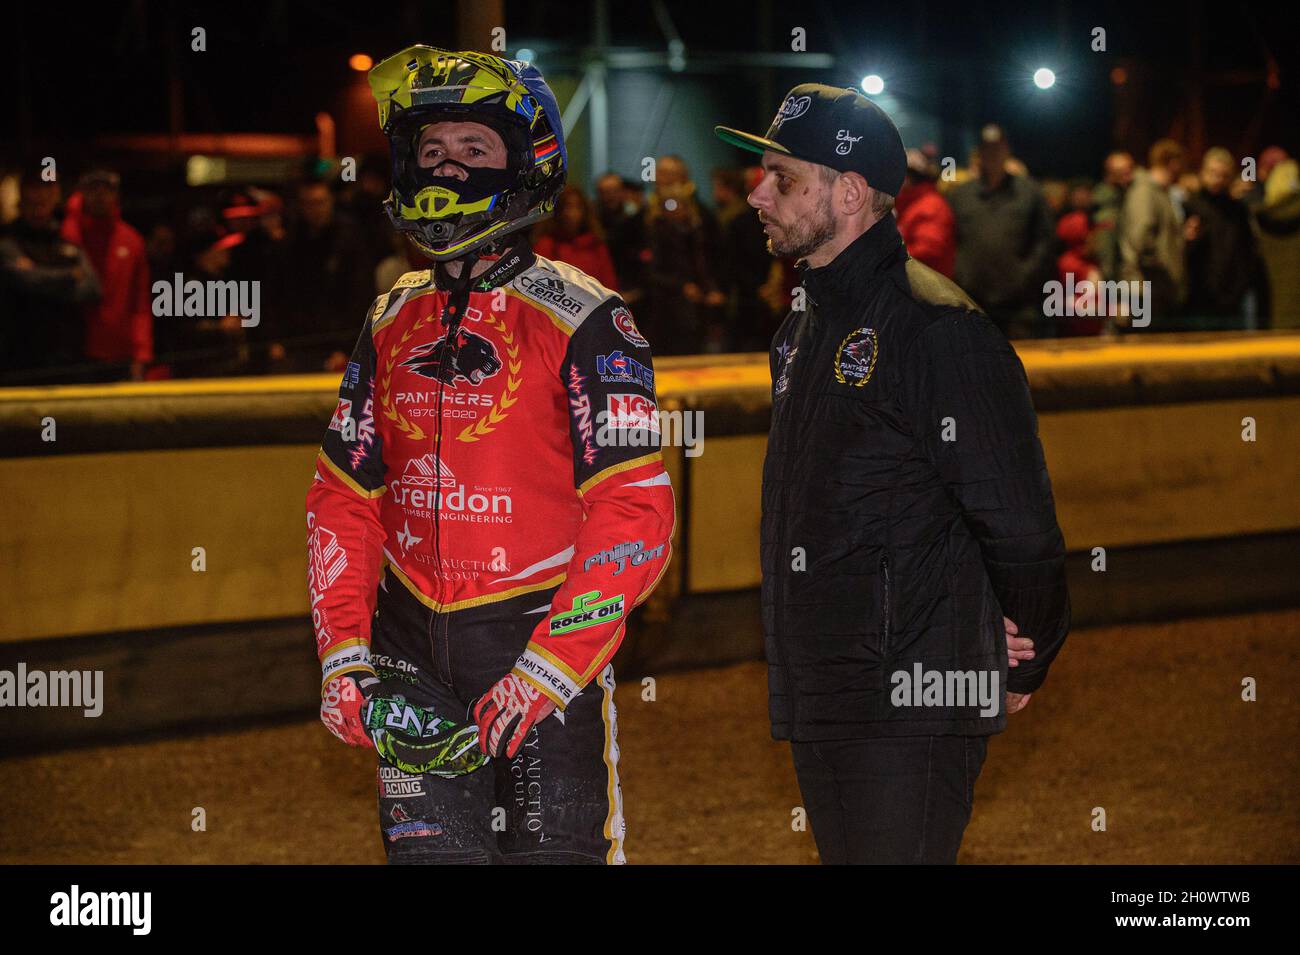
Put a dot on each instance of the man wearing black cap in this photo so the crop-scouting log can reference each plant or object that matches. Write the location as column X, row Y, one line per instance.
column 906, row 503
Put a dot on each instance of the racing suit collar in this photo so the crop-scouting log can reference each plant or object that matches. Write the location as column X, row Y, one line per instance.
column 846, row 278
column 516, row 258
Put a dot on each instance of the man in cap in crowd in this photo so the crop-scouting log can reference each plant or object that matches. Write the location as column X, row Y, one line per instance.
column 1006, row 239
column 906, row 503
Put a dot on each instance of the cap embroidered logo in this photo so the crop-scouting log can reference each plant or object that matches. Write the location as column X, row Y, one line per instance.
column 792, row 108
column 845, row 142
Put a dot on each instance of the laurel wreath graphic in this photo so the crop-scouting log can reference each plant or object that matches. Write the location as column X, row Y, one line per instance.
column 485, row 425
column 488, row 423
column 407, row 427
column 870, row 335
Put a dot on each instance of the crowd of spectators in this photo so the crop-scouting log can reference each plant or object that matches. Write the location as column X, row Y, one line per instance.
column 1218, row 248
column 1214, row 249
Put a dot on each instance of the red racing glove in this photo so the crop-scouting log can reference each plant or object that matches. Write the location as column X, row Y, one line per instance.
column 507, row 712
column 342, row 702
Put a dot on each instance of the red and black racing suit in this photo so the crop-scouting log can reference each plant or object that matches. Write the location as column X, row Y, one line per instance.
column 473, row 513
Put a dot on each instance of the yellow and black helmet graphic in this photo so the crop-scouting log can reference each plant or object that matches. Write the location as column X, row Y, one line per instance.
column 448, row 217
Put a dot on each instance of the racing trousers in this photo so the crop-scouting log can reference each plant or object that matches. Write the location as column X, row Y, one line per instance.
column 557, row 802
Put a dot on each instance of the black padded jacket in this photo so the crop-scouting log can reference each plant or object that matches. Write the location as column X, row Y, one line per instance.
column 906, row 508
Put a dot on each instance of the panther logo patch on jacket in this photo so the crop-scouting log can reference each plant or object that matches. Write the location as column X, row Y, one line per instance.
column 856, row 358
column 472, row 358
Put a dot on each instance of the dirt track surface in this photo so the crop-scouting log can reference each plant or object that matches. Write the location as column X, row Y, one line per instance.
column 1144, row 721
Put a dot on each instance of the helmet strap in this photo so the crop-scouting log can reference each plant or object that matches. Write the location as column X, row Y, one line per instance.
column 457, row 287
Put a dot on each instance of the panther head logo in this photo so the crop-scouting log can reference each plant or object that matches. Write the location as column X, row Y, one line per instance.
column 467, row 355
column 858, row 351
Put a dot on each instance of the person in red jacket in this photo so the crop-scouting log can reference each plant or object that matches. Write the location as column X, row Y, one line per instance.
column 573, row 236
column 925, row 219
column 490, row 502
column 119, row 327
column 1079, row 259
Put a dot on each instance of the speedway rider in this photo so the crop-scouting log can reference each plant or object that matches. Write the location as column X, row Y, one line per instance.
column 477, row 538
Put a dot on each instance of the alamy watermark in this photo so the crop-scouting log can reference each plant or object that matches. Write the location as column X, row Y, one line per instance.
column 211, row 299
column 947, row 688
column 1097, row 299
column 79, row 688
column 633, row 421
column 75, row 907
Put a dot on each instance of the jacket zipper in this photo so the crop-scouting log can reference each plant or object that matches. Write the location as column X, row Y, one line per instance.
column 442, row 662
column 779, row 601
column 884, row 637
column 782, row 555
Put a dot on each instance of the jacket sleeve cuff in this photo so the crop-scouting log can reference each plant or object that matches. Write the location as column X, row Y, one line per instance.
column 1021, row 682
column 350, row 656
column 551, row 676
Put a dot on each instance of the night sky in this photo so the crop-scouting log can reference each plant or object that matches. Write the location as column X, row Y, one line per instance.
column 948, row 68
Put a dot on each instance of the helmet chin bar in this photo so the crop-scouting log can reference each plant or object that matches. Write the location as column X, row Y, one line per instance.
column 426, row 234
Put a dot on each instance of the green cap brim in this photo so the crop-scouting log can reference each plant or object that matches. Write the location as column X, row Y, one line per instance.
column 755, row 144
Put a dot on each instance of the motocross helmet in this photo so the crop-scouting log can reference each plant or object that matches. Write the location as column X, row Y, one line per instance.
column 445, row 216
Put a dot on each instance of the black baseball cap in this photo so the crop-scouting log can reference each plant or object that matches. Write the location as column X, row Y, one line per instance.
column 832, row 126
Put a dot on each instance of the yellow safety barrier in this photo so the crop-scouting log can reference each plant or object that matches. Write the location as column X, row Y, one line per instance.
column 106, row 541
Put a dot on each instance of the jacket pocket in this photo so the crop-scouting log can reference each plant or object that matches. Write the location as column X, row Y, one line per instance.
column 886, row 601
